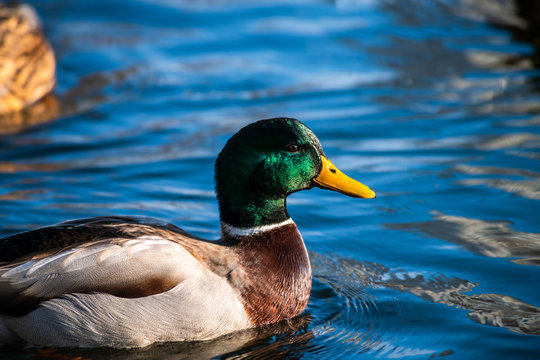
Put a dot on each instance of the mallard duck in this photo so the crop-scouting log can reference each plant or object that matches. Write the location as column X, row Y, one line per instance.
column 129, row 282
column 27, row 64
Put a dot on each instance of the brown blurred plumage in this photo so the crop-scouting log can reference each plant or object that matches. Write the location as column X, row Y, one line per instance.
column 27, row 63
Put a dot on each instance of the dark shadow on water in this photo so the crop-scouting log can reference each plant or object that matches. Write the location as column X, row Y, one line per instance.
column 528, row 32
column 521, row 18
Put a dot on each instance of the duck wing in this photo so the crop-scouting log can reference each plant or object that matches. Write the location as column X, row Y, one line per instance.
column 50, row 239
column 110, row 255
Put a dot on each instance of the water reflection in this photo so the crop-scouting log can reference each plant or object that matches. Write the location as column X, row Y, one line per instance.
column 488, row 238
column 443, row 49
column 528, row 31
column 13, row 167
column 530, row 11
column 87, row 94
column 286, row 340
column 351, row 315
column 519, row 17
column 488, row 309
column 528, row 188
column 45, row 110
column 523, row 140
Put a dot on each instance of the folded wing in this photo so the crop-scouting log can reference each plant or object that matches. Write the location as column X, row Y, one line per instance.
column 135, row 267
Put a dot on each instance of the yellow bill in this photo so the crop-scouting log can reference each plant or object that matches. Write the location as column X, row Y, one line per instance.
column 333, row 179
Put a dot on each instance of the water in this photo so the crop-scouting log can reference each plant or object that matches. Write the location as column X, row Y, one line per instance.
column 434, row 104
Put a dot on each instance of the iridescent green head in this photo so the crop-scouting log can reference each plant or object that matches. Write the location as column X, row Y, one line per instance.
column 265, row 162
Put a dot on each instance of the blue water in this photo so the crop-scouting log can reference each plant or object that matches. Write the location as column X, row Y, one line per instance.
column 433, row 104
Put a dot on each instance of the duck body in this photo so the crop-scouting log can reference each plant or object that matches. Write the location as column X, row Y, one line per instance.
column 171, row 287
column 129, row 282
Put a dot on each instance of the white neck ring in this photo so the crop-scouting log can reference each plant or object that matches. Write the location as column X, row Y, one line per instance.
column 238, row 231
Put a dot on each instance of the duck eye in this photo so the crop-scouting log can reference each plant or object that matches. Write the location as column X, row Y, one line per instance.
column 292, row 148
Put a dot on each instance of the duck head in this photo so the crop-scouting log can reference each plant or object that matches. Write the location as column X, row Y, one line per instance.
column 265, row 162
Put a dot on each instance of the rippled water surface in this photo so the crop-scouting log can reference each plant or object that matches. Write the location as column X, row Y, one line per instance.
column 434, row 104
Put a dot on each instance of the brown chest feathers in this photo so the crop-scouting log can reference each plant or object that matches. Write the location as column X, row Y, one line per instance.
column 274, row 277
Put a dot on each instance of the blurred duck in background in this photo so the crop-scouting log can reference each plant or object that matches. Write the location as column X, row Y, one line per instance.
column 27, row 71
column 28, row 75
column 27, row 63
